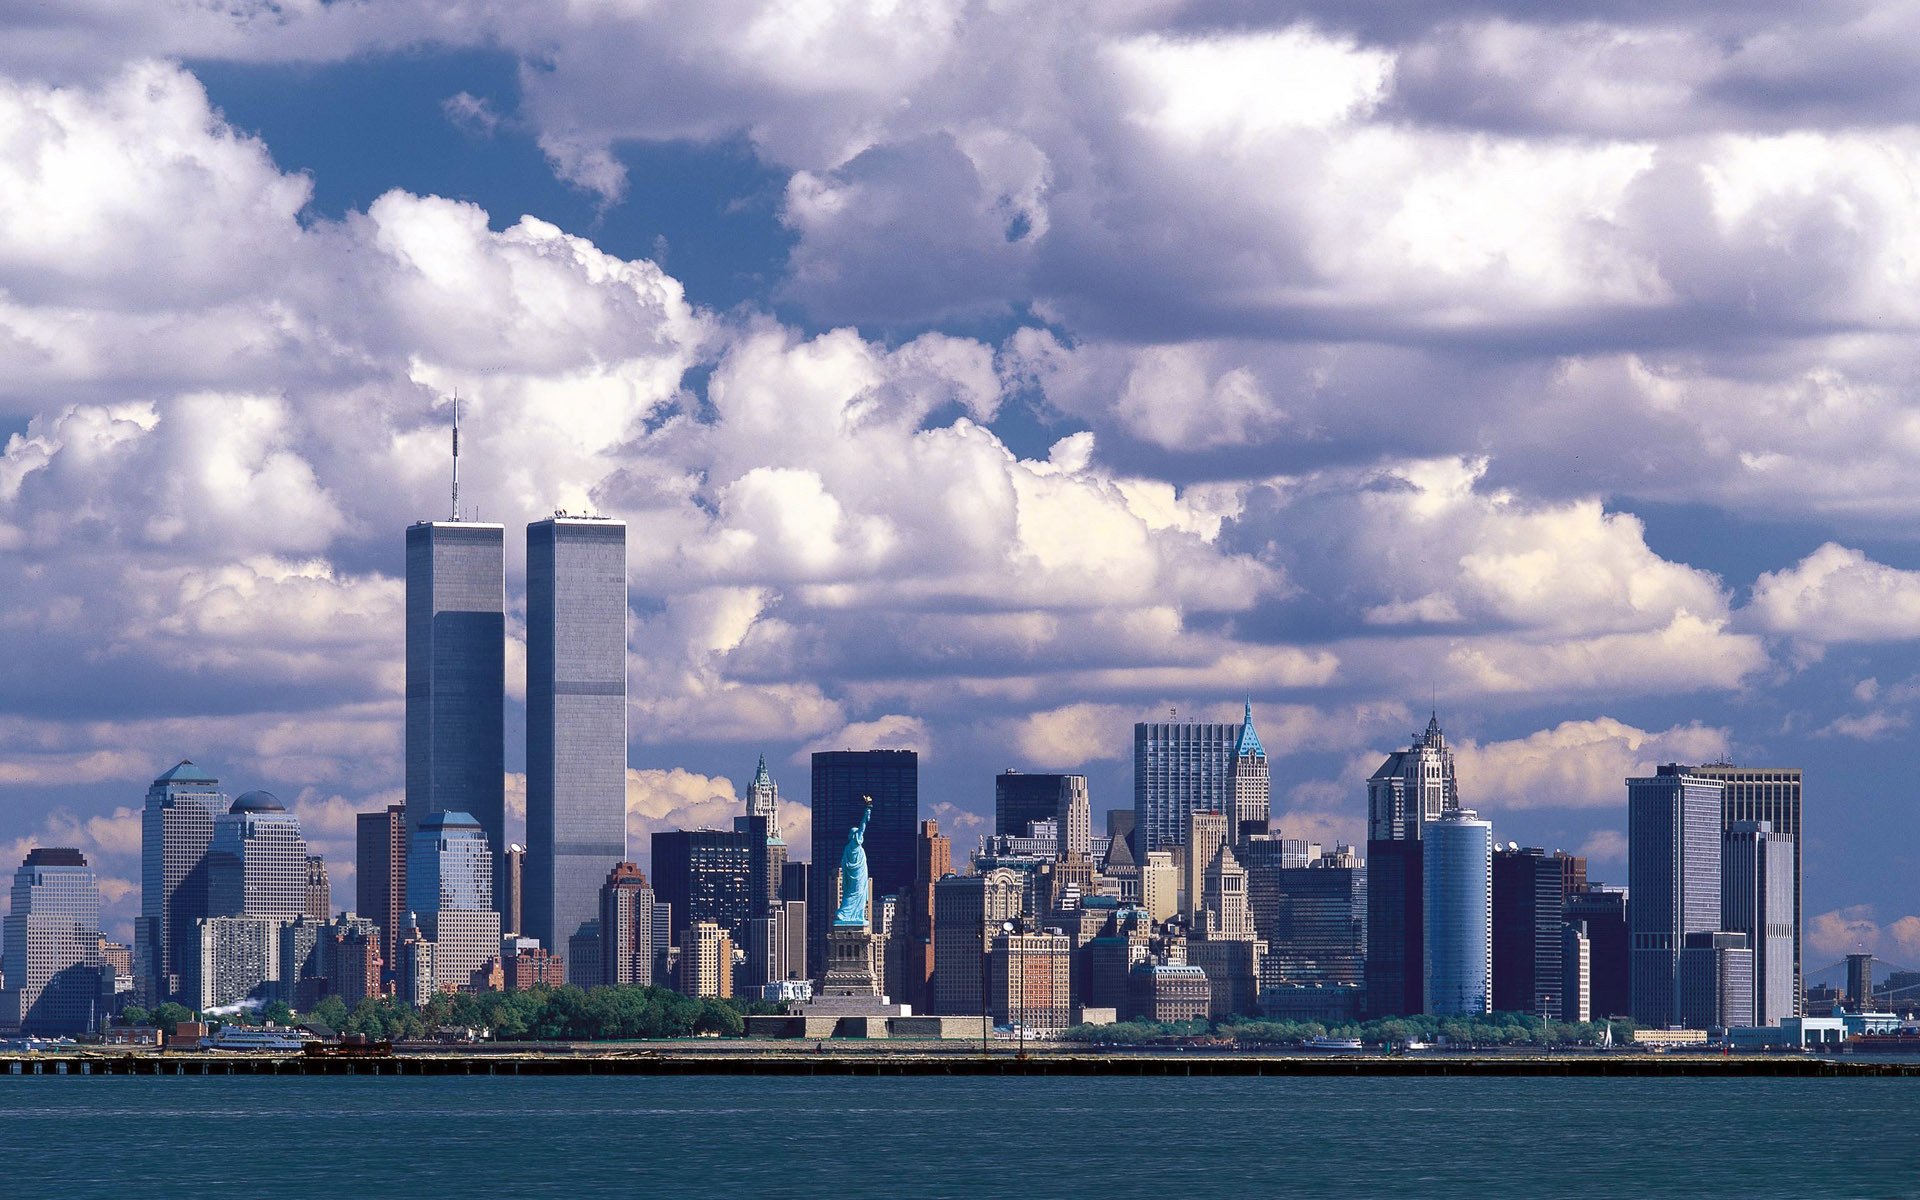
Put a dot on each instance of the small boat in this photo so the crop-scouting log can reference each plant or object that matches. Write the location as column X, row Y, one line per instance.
column 1416, row 1045
column 1331, row 1043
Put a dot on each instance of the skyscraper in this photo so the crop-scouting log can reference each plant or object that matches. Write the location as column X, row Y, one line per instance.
column 1313, row 915
column 1249, row 793
column 1716, row 980
column 380, row 874
column 932, row 861
column 319, row 903
column 1020, row 799
column 705, row 875
column 769, row 854
column 1673, row 882
column 1178, row 768
column 633, row 927
column 1411, row 788
column 1603, row 910
column 513, row 889
column 450, row 889
column 1457, row 891
column 52, row 955
column 576, row 719
column 176, row 826
column 456, row 676
column 841, row 778
column 1770, row 794
column 1756, row 898
column 1529, row 911
column 968, row 913
column 257, row 861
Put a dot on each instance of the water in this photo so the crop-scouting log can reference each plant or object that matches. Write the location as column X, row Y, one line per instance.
column 1024, row 1138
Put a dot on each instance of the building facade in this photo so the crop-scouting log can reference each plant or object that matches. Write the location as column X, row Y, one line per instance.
column 1410, row 789
column 576, row 720
column 1603, row 910
column 1756, row 899
column 1529, row 915
column 450, row 891
column 841, row 778
column 1249, row 791
column 456, row 676
column 635, row 928
column 380, row 872
column 1179, row 768
column 1673, row 883
column 257, row 861
column 1716, row 980
column 319, row 902
column 969, row 911
column 1311, row 914
column 1770, row 794
column 1457, row 894
column 176, row 826
column 51, row 960
column 236, row 958
column 705, row 875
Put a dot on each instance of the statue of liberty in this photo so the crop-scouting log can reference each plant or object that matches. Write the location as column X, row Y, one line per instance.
column 853, row 873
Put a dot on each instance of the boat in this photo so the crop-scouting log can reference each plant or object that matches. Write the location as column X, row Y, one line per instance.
column 247, row 1039
column 1331, row 1043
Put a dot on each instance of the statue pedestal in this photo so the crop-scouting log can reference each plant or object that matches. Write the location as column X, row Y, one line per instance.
column 850, row 972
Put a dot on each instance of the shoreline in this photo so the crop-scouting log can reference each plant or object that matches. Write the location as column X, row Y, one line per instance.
column 846, row 1061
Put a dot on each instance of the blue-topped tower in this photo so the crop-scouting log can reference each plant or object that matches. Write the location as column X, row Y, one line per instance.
column 1250, row 790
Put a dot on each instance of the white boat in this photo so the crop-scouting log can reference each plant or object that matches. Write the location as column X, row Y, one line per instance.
column 1332, row 1043
column 246, row 1038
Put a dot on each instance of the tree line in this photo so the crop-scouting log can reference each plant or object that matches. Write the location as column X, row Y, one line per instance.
column 564, row 1013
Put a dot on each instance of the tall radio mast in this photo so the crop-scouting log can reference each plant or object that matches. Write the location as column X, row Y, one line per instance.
column 456, row 456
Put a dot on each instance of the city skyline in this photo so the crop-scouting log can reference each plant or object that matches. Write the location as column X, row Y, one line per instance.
column 1611, row 477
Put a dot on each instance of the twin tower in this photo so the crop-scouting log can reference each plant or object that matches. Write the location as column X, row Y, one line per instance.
column 576, row 738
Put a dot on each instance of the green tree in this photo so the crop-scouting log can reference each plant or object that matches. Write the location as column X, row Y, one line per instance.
column 168, row 1015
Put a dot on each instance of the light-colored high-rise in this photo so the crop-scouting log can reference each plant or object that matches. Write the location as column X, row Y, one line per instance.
column 1770, row 794
column 257, row 861
column 1673, row 883
column 450, row 890
column 456, row 675
column 1412, row 787
column 1756, row 898
column 52, row 956
column 1249, row 795
column 1457, row 896
column 176, row 826
column 1207, row 832
column 235, row 958
column 576, row 720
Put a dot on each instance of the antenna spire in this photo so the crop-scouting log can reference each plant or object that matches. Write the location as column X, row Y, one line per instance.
column 456, row 454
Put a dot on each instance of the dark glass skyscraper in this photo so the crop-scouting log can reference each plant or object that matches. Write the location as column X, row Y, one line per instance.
column 705, row 875
column 456, row 675
column 840, row 779
column 576, row 721
column 1529, row 907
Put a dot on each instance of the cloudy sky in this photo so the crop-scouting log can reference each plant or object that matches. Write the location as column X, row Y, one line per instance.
column 980, row 376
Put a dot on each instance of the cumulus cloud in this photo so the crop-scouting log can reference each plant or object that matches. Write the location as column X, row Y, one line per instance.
column 1576, row 764
column 1856, row 928
column 1837, row 594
